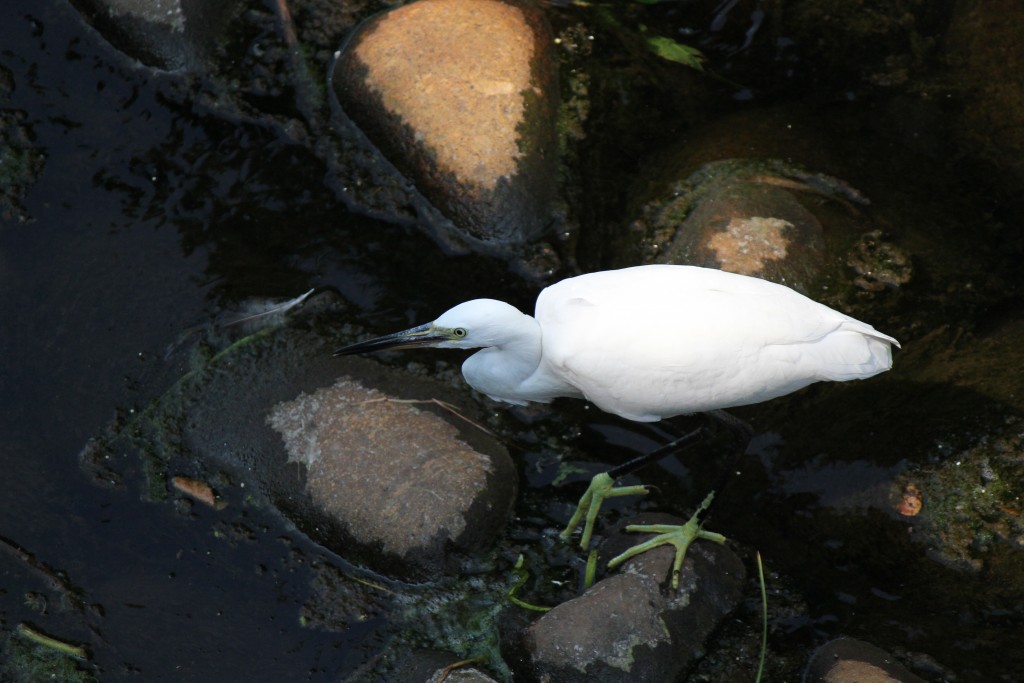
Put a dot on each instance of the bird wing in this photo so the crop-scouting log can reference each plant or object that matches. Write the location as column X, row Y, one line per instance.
column 654, row 341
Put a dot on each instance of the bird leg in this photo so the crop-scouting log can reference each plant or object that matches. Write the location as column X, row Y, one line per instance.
column 602, row 486
column 680, row 536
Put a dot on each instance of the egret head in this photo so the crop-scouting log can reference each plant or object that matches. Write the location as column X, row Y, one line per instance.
column 470, row 325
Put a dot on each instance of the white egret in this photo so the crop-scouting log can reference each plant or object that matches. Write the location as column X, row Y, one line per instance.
column 651, row 342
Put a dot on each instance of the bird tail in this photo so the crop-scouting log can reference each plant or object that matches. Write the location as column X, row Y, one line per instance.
column 855, row 351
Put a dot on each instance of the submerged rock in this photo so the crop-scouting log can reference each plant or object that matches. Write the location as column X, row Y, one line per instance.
column 166, row 34
column 845, row 660
column 431, row 666
column 396, row 477
column 632, row 626
column 966, row 504
column 743, row 216
column 461, row 95
column 878, row 263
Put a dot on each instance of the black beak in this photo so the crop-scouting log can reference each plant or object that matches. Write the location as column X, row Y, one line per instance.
column 424, row 335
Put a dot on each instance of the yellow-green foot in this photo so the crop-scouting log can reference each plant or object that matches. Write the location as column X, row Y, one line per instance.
column 679, row 536
column 602, row 486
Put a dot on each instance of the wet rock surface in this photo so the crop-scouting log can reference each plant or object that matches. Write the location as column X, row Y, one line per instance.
column 462, row 96
column 166, row 34
column 632, row 625
column 846, row 660
column 744, row 216
column 427, row 666
column 967, row 506
column 393, row 475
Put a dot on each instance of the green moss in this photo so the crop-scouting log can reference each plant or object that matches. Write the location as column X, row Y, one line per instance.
column 971, row 500
column 24, row 661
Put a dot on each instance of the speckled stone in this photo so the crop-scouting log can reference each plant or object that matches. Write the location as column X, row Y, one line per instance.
column 431, row 666
column 461, row 95
column 741, row 216
column 397, row 478
column 846, row 660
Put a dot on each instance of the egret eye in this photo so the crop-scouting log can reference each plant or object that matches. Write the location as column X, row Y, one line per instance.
column 459, row 332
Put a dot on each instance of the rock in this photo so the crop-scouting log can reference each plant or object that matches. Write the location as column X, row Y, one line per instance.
column 461, row 95
column 743, row 216
column 431, row 666
column 879, row 264
column 967, row 505
column 166, row 34
column 632, row 626
column 845, row 660
column 395, row 477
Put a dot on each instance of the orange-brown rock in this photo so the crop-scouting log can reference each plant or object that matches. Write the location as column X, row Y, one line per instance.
column 461, row 96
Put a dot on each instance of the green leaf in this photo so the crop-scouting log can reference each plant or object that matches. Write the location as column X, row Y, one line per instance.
column 666, row 48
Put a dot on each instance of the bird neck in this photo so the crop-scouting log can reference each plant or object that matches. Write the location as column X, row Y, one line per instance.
column 502, row 371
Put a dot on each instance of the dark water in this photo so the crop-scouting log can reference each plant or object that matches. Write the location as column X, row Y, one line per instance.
column 149, row 220
column 120, row 260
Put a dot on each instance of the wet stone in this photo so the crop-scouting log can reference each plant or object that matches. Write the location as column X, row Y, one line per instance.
column 395, row 477
column 432, row 666
column 878, row 263
column 845, row 660
column 743, row 216
column 632, row 626
column 461, row 95
column 967, row 506
column 166, row 34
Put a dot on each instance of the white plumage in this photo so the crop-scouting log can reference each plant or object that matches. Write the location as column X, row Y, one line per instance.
column 654, row 341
